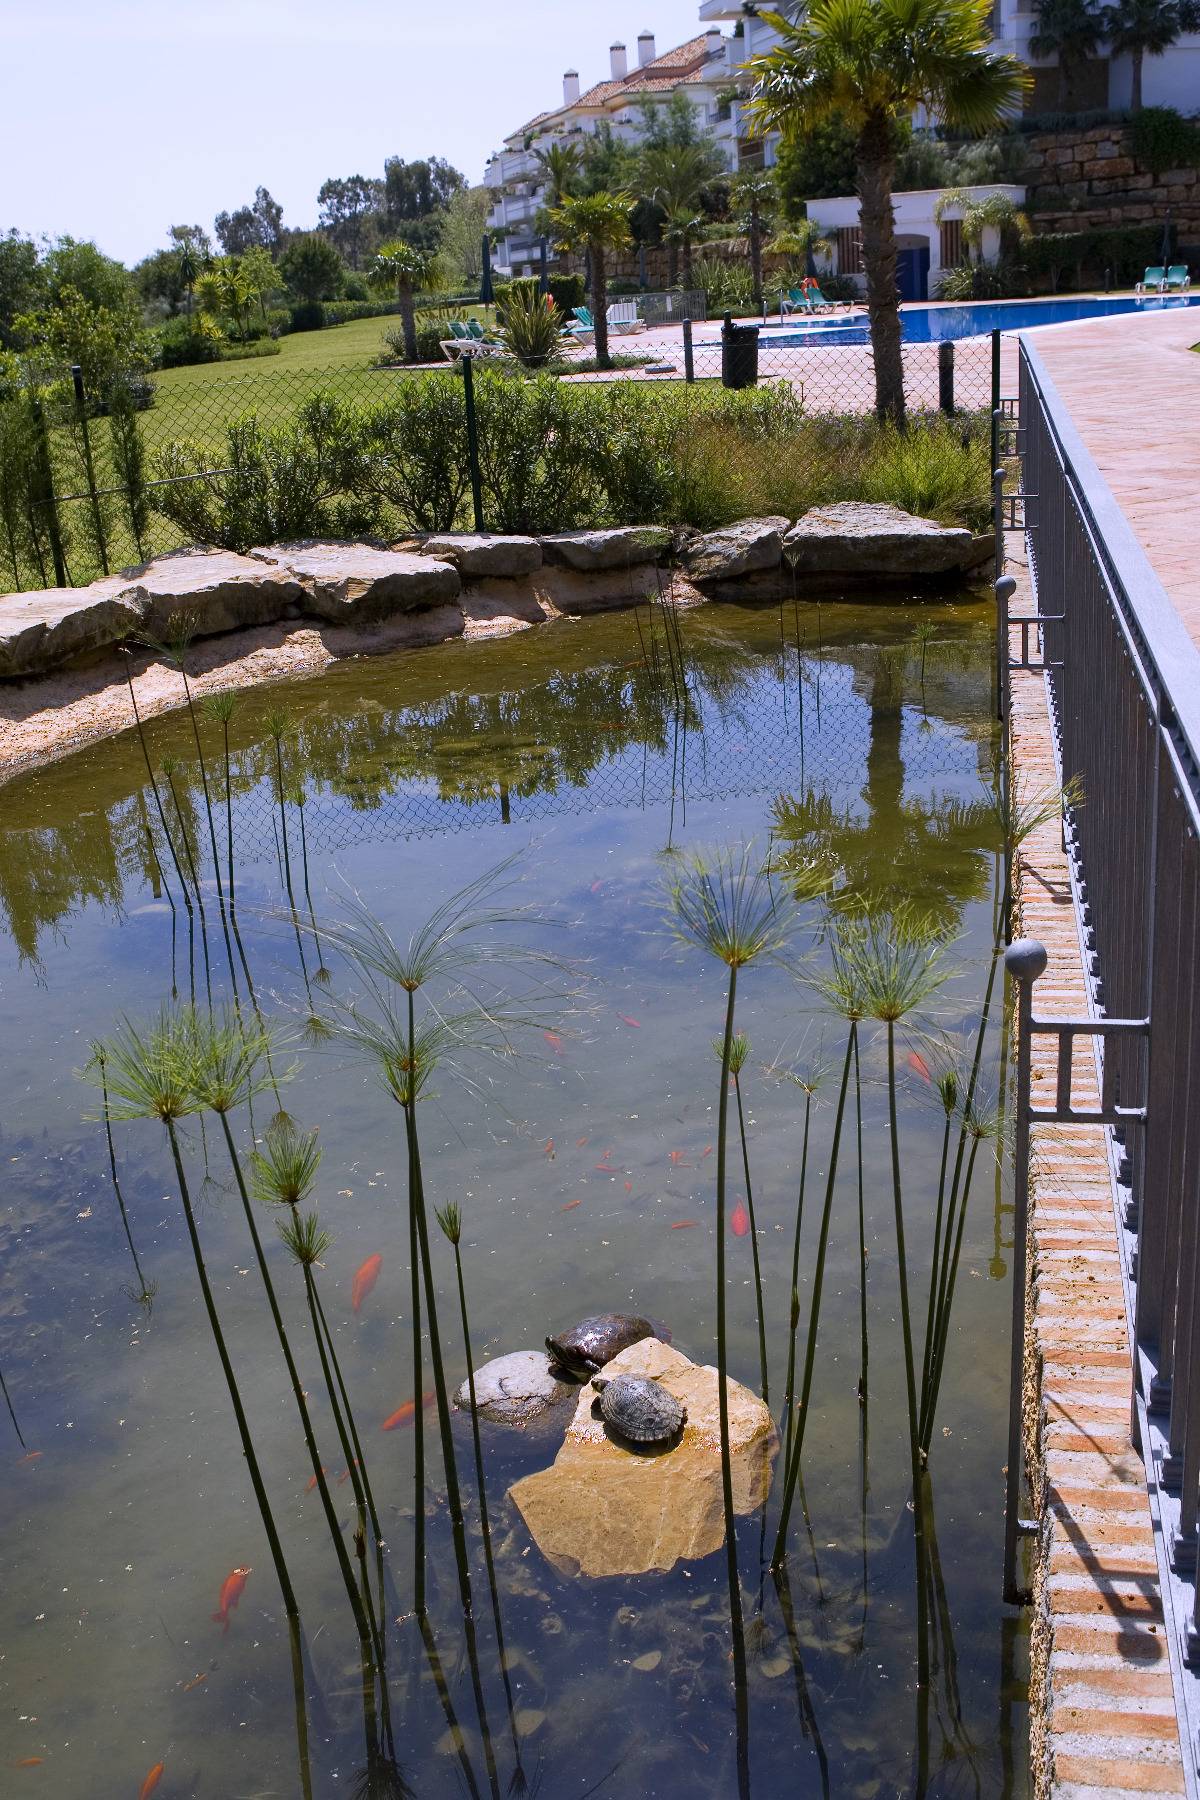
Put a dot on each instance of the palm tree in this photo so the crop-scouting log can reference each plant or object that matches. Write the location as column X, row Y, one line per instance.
column 1072, row 30
column 401, row 268
column 755, row 196
column 673, row 177
column 680, row 228
column 560, row 169
column 190, row 265
column 871, row 63
column 1140, row 28
column 595, row 223
column 998, row 211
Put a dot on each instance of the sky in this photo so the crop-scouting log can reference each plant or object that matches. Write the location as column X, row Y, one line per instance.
column 122, row 117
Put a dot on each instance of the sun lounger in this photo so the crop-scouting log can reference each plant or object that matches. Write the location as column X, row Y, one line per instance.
column 1152, row 282
column 1178, row 279
column 623, row 319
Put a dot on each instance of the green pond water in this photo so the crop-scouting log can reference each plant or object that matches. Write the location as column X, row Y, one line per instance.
column 125, row 1498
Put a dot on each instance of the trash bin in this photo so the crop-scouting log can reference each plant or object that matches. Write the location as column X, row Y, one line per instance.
column 739, row 354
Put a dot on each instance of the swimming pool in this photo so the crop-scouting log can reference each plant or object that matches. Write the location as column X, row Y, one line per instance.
column 930, row 324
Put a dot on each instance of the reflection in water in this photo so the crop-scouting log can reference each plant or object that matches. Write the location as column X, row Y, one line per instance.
column 857, row 750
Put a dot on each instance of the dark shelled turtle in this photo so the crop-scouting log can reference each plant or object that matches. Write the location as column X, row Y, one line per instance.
column 595, row 1341
column 639, row 1409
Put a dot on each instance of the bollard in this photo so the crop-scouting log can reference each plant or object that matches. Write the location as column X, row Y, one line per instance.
column 1024, row 961
column 689, row 365
column 946, row 376
column 467, row 364
column 1006, row 587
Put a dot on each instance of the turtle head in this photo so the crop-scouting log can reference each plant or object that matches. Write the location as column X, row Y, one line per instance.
column 569, row 1359
column 600, row 1382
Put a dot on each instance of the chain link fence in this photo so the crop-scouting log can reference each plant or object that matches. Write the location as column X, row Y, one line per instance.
column 91, row 487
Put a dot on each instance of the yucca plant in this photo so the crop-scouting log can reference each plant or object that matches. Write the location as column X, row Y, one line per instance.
column 531, row 326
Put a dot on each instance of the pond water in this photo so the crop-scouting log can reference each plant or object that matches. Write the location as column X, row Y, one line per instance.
column 123, row 1486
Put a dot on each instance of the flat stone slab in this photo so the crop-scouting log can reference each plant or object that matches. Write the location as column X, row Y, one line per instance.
column 603, row 1508
column 218, row 590
column 864, row 537
column 571, row 591
column 478, row 554
column 736, row 550
column 49, row 626
column 350, row 583
column 620, row 547
column 515, row 1388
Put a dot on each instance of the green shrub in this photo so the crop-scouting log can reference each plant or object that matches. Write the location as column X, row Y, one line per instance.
column 929, row 470
column 984, row 281
column 263, row 346
column 354, row 287
column 840, row 287
column 1161, row 139
column 728, row 286
column 182, row 342
column 415, row 453
column 303, row 479
column 537, row 453
column 567, row 292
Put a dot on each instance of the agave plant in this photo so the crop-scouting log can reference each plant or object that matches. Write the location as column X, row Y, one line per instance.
column 531, row 326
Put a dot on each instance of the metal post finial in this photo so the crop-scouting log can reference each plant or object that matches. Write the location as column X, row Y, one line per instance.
column 1025, row 959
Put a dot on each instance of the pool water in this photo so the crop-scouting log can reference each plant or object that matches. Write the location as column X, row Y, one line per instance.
column 122, row 1482
column 932, row 324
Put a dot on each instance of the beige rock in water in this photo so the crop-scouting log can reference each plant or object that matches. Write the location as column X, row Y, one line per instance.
column 604, row 1509
column 357, row 583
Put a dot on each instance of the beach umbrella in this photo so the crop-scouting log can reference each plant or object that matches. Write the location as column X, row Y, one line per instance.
column 486, row 293
column 543, row 269
column 1164, row 255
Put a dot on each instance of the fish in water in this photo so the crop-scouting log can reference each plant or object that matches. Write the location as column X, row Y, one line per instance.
column 707, row 1151
column 29, row 1762
column 29, row 1456
column 548, row 1148
column 311, row 1483
column 678, row 1157
column 580, row 1142
column 684, row 1224
column 626, row 1020
column 555, row 1041
column 404, row 1415
column 231, row 1593
column 194, row 1683
column 629, row 1187
column 739, row 1220
column 151, row 1782
column 365, row 1280
column 570, row 1206
column 917, row 1062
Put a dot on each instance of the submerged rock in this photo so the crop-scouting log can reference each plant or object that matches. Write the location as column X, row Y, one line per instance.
column 513, row 1389
column 604, row 1508
column 864, row 537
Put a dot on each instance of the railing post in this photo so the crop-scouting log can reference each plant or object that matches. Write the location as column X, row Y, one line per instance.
column 1024, row 960
column 689, row 364
column 1006, row 587
column 45, row 495
column 995, row 407
column 998, row 519
column 467, row 364
column 946, row 377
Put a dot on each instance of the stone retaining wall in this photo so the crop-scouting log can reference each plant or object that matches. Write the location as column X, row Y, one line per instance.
column 1080, row 180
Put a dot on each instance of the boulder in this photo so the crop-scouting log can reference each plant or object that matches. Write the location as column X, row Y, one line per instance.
column 604, row 1508
column 745, row 548
column 52, row 625
column 480, row 554
column 571, row 591
column 218, row 590
column 513, row 1389
column 356, row 583
column 864, row 537
column 620, row 547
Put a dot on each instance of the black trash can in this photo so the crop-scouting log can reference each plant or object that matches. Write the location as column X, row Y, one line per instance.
column 739, row 354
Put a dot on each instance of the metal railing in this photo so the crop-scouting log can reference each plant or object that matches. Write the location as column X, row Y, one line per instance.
column 1123, row 679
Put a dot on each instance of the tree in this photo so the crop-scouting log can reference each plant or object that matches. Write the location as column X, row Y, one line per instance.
column 191, row 260
column 595, row 223
column 22, row 282
column 75, row 264
column 259, row 274
column 673, row 178
column 1072, row 30
column 755, row 200
column 106, row 342
column 413, row 190
column 400, row 268
column 561, row 168
column 312, row 268
column 194, row 236
column 249, row 225
column 1141, row 28
column 679, row 230
column 347, row 204
column 158, row 278
column 225, row 292
column 997, row 210
column 871, row 63
column 607, row 165
column 673, row 124
column 269, row 215
column 460, row 234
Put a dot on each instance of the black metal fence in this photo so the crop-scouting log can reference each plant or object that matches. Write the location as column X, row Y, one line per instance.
column 1124, row 681
column 90, row 486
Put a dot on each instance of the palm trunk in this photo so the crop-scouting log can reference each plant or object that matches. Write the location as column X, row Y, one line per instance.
column 600, row 306
column 876, row 166
column 408, row 318
column 756, row 262
column 686, row 260
column 1135, row 92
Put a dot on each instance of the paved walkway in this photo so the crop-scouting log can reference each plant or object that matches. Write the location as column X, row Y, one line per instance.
column 1132, row 387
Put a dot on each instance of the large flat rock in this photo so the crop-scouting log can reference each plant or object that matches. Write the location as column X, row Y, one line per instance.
column 605, row 1509
column 357, row 583
column 49, row 626
column 864, row 537
column 735, row 551
column 619, row 547
column 216, row 590
column 478, row 554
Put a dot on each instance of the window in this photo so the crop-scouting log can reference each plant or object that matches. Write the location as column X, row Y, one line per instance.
column 849, row 250
column 952, row 248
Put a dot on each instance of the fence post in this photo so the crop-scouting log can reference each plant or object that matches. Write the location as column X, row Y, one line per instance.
column 88, row 466
column 998, row 518
column 1024, row 960
column 1006, row 587
column 467, row 364
column 995, row 408
column 45, row 497
column 689, row 363
column 946, row 375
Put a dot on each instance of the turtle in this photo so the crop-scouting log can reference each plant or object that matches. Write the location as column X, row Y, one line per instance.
column 637, row 1408
column 595, row 1341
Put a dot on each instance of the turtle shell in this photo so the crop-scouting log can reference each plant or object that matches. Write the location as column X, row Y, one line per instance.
column 596, row 1340
column 640, row 1409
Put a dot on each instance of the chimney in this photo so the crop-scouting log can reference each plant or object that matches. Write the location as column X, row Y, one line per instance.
column 645, row 48
column 714, row 43
column 618, row 62
column 571, row 88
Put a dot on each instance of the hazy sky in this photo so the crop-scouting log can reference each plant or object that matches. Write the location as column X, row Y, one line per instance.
column 122, row 117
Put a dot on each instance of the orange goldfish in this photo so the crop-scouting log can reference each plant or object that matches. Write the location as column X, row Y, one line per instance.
column 193, row 1683
column 678, row 1156
column 570, row 1206
column 629, row 1187
column 404, row 1415
column 311, row 1483
column 580, row 1142
column 707, row 1151
column 29, row 1762
column 365, row 1280
column 29, row 1456
column 739, row 1220
column 555, row 1041
column 597, row 885
column 548, row 1148
column 684, row 1224
column 917, row 1061
column 152, row 1780
column 231, row 1593
column 626, row 1020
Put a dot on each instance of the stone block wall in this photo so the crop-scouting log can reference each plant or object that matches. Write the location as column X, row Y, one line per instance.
column 1077, row 181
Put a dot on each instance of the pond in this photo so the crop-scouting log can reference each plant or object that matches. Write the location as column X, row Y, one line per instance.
column 593, row 753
